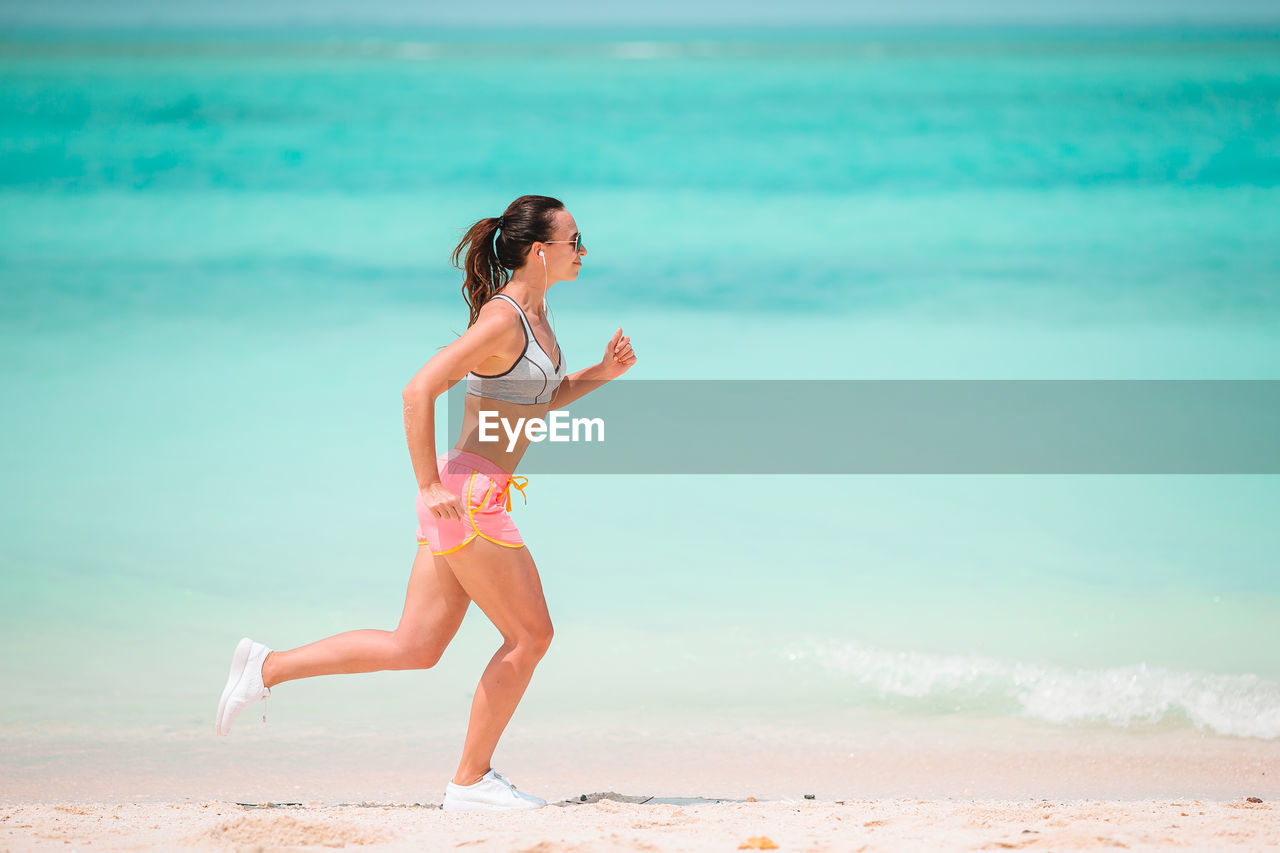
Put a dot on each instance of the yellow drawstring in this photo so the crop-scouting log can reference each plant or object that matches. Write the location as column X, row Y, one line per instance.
column 506, row 490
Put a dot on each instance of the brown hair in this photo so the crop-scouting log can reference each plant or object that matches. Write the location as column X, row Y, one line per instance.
column 497, row 244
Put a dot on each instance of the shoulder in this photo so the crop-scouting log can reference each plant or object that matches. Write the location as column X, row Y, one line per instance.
column 498, row 318
column 498, row 311
column 500, row 303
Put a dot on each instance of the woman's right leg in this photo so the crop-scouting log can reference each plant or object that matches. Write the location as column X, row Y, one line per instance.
column 504, row 583
column 433, row 609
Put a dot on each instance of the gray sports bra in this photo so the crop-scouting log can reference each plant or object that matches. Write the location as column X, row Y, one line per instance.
column 531, row 380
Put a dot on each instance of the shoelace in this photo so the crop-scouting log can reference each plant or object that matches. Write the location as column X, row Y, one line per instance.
column 505, row 780
column 266, row 694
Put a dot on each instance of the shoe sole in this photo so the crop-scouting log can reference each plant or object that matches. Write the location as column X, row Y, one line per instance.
column 479, row 807
column 239, row 661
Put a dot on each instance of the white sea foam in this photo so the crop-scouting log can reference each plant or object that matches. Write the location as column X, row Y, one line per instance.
column 1240, row 705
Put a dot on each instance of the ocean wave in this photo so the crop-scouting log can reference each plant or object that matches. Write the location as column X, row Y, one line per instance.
column 1238, row 705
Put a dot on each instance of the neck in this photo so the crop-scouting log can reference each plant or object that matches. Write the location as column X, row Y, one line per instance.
column 527, row 289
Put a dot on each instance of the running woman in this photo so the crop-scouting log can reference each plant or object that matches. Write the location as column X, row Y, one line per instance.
column 468, row 547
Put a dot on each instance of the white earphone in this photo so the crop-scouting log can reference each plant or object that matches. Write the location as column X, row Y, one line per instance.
column 540, row 253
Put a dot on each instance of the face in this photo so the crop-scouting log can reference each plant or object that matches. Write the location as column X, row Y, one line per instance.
column 563, row 263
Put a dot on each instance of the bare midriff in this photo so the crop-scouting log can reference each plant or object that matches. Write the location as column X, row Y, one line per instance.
column 504, row 411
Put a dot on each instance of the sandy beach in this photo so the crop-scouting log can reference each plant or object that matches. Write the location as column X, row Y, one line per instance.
column 609, row 824
column 992, row 786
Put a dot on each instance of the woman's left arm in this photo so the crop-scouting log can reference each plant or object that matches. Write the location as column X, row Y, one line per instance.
column 618, row 358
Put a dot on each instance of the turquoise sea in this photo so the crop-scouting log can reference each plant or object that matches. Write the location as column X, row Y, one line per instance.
column 222, row 254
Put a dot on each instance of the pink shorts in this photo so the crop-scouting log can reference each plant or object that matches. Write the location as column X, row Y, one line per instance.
column 483, row 489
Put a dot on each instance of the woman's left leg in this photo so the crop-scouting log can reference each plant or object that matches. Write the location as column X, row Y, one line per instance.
column 433, row 609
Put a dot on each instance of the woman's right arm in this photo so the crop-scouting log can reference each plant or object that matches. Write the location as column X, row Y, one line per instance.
column 493, row 333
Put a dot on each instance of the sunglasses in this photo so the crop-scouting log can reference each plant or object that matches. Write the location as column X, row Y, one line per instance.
column 576, row 241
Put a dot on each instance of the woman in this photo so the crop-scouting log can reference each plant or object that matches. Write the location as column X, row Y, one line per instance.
column 469, row 549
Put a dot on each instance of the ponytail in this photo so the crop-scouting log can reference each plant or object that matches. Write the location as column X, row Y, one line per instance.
column 496, row 245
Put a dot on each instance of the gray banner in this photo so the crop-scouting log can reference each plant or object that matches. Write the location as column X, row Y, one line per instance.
column 914, row 427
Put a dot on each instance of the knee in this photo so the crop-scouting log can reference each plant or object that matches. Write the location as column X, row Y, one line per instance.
column 423, row 659
column 535, row 643
column 418, row 655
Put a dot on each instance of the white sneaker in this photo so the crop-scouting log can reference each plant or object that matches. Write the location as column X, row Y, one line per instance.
column 244, row 685
column 493, row 793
